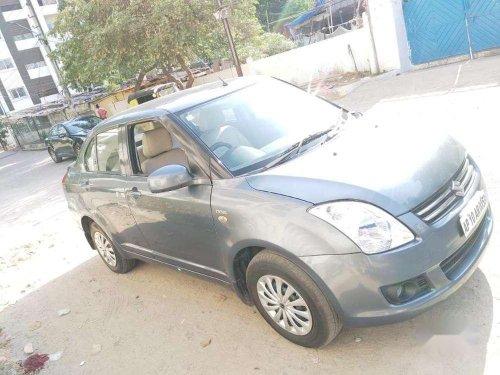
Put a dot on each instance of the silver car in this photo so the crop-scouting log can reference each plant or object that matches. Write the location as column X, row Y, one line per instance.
column 305, row 209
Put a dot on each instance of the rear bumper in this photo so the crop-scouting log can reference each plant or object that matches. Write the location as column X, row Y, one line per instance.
column 353, row 281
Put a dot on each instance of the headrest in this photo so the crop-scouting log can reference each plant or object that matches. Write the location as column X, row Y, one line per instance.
column 156, row 142
column 211, row 119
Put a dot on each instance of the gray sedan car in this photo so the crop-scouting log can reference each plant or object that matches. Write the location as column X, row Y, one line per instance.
column 305, row 209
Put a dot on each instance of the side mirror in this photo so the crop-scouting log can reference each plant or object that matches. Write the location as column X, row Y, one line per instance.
column 168, row 178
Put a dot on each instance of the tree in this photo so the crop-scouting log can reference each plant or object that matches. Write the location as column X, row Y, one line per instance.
column 267, row 44
column 114, row 40
column 3, row 137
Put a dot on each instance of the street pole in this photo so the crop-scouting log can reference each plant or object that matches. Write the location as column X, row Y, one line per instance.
column 45, row 42
column 222, row 14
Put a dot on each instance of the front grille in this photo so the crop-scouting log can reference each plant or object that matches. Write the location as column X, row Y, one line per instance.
column 449, row 196
column 452, row 266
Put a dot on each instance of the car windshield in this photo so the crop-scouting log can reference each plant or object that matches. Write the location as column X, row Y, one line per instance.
column 82, row 126
column 250, row 128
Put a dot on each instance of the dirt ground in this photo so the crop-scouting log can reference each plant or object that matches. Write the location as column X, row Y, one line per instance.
column 155, row 320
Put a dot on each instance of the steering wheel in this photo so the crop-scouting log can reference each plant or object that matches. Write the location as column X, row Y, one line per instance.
column 218, row 145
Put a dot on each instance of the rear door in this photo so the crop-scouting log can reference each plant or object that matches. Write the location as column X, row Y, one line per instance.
column 56, row 141
column 103, row 187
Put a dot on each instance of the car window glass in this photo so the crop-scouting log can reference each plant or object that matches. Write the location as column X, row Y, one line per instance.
column 61, row 130
column 108, row 159
column 137, row 156
column 89, row 159
column 77, row 127
column 93, row 120
column 248, row 129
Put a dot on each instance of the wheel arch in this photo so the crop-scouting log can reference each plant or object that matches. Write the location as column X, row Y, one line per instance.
column 245, row 252
column 86, row 221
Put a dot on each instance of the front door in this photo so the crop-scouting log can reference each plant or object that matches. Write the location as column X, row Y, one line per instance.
column 64, row 143
column 178, row 225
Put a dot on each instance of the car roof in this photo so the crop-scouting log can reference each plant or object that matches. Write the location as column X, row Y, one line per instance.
column 179, row 101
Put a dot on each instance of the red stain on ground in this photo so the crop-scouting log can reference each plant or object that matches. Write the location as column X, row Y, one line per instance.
column 34, row 363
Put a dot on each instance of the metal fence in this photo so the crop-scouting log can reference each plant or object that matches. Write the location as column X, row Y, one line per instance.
column 30, row 133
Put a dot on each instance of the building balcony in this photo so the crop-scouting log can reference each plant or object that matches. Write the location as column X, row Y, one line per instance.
column 14, row 15
column 41, row 71
column 27, row 44
column 48, row 7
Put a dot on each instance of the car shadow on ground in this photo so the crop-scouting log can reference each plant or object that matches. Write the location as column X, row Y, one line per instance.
column 156, row 320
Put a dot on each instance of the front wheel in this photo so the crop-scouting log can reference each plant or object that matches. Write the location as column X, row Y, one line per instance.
column 290, row 301
column 55, row 158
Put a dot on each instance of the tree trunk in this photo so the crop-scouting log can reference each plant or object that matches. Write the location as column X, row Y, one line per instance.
column 172, row 78
column 138, row 84
column 184, row 67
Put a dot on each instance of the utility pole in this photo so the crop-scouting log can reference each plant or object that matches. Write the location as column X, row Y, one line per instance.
column 45, row 43
column 222, row 14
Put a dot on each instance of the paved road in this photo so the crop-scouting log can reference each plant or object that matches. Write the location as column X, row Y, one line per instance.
column 155, row 320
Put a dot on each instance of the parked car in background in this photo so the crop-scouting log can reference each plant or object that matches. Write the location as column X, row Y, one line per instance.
column 306, row 210
column 150, row 93
column 65, row 139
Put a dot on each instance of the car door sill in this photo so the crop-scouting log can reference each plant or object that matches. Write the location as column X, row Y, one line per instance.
column 173, row 262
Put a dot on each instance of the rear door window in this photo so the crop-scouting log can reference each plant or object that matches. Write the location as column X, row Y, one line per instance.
column 108, row 159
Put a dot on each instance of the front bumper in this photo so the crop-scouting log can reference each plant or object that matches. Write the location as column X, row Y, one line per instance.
column 354, row 281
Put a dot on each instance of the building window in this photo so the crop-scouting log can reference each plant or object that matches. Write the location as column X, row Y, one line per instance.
column 23, row 36
column 17, row 93
column 35, row 65
column 6, row 64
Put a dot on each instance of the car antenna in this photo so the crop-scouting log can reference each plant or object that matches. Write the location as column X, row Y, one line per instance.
column 224, row 83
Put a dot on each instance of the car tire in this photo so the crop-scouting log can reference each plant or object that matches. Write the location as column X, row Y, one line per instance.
column 313, row 323
column 108, row 252
column 55, row 158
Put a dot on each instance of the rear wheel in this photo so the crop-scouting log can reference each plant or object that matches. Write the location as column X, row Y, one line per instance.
column 290, row 301
column 52, row 153
column 108, row 253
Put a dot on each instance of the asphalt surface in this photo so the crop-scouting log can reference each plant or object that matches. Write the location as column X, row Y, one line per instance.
column 155, row 320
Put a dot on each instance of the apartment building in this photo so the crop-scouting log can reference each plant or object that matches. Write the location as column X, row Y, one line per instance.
column 27, row 76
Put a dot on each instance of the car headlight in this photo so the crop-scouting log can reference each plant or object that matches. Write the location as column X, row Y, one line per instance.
column 369, row 227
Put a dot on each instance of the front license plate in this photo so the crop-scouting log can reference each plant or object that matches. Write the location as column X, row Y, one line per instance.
column 471, row 215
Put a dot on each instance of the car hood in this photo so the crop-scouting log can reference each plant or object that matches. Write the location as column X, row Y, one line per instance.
column 395, row 168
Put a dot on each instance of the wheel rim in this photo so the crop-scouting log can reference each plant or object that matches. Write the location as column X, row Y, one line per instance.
column 284, row 305
column 105, row 248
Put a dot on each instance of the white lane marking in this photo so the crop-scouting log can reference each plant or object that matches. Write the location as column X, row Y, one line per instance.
column 458, row 74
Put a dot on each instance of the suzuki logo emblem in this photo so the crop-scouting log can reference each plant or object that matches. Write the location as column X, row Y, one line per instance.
column 458, row 188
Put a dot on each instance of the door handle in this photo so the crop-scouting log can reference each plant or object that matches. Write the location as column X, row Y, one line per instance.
column 134, row 192
column 84, row 183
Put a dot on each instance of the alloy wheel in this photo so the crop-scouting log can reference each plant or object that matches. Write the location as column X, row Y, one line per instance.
column 105, row 248
column 284, row 304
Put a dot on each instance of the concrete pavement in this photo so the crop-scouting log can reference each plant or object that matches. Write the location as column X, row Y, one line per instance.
column 155, row 320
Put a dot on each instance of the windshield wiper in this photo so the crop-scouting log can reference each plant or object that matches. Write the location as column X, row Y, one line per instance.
column 294, row 149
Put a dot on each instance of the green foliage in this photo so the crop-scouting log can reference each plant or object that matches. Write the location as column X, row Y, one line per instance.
column 114, row 40
column 268, row 44
column 3, row 137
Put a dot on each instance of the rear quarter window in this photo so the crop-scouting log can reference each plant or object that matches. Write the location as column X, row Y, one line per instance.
column 89, row 158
